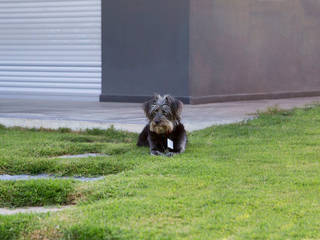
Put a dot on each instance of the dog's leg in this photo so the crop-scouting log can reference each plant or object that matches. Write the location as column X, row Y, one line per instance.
column 154, row 150
column 180, row 141
column 155, row 146
column 157, row 153
column 143, row 138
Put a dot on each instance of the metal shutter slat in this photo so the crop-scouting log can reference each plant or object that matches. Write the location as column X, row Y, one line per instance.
column 48, row 79
column 57, row 85
column 41, row 3
column 52, row 74
column 51, row 63
column 53, row 91
column 50, row 69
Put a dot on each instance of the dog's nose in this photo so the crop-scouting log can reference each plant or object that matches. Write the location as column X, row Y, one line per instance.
column 157, row 121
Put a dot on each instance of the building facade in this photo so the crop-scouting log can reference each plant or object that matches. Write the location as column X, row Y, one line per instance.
column 125, row 50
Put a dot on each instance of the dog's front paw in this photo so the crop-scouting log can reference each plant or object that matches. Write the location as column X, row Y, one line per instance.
column 156, row 153
column 169, row 154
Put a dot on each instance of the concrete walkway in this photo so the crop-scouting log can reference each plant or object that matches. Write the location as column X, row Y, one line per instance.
column 127, row 116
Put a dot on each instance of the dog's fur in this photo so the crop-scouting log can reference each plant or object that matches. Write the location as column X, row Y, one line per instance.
column 164, row 115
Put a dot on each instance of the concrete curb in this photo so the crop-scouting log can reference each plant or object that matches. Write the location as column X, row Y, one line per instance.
column 72, row 124
column 83, row 125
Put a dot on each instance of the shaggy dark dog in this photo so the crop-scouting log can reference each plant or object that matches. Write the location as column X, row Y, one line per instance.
column 164, row 134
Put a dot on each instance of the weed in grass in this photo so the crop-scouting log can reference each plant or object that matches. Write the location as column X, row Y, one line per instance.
column 95, row 131
column 47, row 234
column 64, row 130
column 11, row 227
column 81, row 139
column 274, row 110
column 113, row 135
column 61, row 148
column 88, row 231
column 36, row 193
column 112, row 187
column 98, row 166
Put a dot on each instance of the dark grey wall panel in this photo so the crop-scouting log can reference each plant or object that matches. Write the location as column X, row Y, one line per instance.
column 145, row 48
column 210, row 50
column 253, row 49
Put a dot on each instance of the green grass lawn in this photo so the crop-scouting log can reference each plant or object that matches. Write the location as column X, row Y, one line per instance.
column 254, row 180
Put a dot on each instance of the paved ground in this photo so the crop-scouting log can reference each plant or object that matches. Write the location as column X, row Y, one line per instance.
column 82, row 115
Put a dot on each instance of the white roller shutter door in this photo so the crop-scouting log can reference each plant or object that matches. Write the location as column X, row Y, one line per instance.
column 50, row 48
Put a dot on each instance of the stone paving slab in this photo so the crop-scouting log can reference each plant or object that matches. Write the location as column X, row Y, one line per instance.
column 32, row 113
column 85, row 155
column 7, row 211
column 24, row 177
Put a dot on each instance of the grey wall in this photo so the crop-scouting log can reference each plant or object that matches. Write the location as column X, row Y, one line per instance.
column 145, row 49
column 253, row 49
column 210, row 50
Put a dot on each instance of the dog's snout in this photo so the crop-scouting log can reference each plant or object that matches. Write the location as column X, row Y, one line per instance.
column 157, row 121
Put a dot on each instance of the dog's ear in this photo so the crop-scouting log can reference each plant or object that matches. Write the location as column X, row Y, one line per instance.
column 176, row 106
column 147, row 106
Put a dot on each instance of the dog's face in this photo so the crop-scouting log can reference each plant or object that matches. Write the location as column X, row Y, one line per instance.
column 163, row 113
